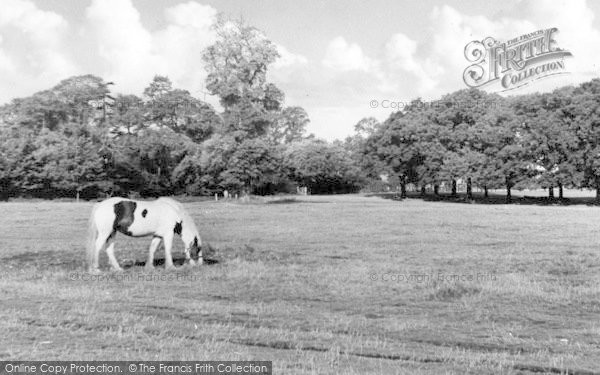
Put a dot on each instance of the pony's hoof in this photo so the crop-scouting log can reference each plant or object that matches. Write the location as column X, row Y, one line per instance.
column 148, row 268
column 115, row 269
column 200, row 261
column 192, row 262
column 170, row 268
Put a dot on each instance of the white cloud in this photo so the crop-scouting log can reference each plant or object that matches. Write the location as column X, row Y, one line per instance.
column 453, row 30
column 574, row 20
column 344, row 56
column 123, row 44
column 37, row 49
column 121, row 48
column 7, row 66
column 193, row 15
column 181, row 44
column 131, row 54
column 41, row 58
column 331, row 122
column 43, row 27
column 400, row 59
column 288, row 59
column 285, row 71
column 406, row 68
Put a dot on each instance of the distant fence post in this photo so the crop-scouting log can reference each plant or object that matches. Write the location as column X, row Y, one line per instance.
column 216, row 197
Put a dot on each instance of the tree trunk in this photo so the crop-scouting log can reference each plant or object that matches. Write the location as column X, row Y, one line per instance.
column 454, row 188
column 469, row 189
column 436, row 189
column 551, row 192
column 560, row 191
column 403, row 187
column 485, row 191
column 597, row 193
column 508, row 195
column 423, row 191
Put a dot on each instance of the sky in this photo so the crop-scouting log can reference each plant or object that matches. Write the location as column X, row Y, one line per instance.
column 340, row 60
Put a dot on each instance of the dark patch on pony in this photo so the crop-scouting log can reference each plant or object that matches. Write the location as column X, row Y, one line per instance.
column 124, row 216
column 177, row 228
column 144, row 213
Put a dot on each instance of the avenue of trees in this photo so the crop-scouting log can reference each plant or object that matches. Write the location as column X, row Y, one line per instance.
column 549, row 141
column 76, row 139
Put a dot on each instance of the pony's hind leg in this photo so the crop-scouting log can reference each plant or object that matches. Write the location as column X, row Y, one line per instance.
column 110, row 251
column 99, row 244
column 153, row 246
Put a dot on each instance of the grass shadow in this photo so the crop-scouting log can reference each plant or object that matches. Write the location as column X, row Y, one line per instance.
column 70, row 260
column 292, row 201
column 45, row 259
column 177, row 261
column 284, row 201
column 209, row 257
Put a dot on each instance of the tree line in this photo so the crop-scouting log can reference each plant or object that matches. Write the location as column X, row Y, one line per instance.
column 77, row 139
column 549, row 140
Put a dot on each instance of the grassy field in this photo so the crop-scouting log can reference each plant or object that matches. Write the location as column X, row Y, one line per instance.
column 318, row 285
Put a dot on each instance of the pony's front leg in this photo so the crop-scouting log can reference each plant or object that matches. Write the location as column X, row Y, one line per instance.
column 200, row 258
column 168, row 242
column 188, row 257
column 153, row 246
column 110, row 250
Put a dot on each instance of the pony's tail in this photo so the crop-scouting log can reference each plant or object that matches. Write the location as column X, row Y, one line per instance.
column 92, row 235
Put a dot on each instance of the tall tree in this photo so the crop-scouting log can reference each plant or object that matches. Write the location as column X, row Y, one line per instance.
column 253, row 163
column 237, row 62
column 549, row 139
column 585, row 114
column 289, row 126
column 394, row 147
column 455, row 116
column 179, row 111
column 237, row 66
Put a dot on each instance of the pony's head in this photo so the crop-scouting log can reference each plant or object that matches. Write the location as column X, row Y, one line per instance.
column 191, row 238
column 196, row 248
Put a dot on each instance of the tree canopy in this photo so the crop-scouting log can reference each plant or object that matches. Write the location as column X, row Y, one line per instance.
column 79, row 138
